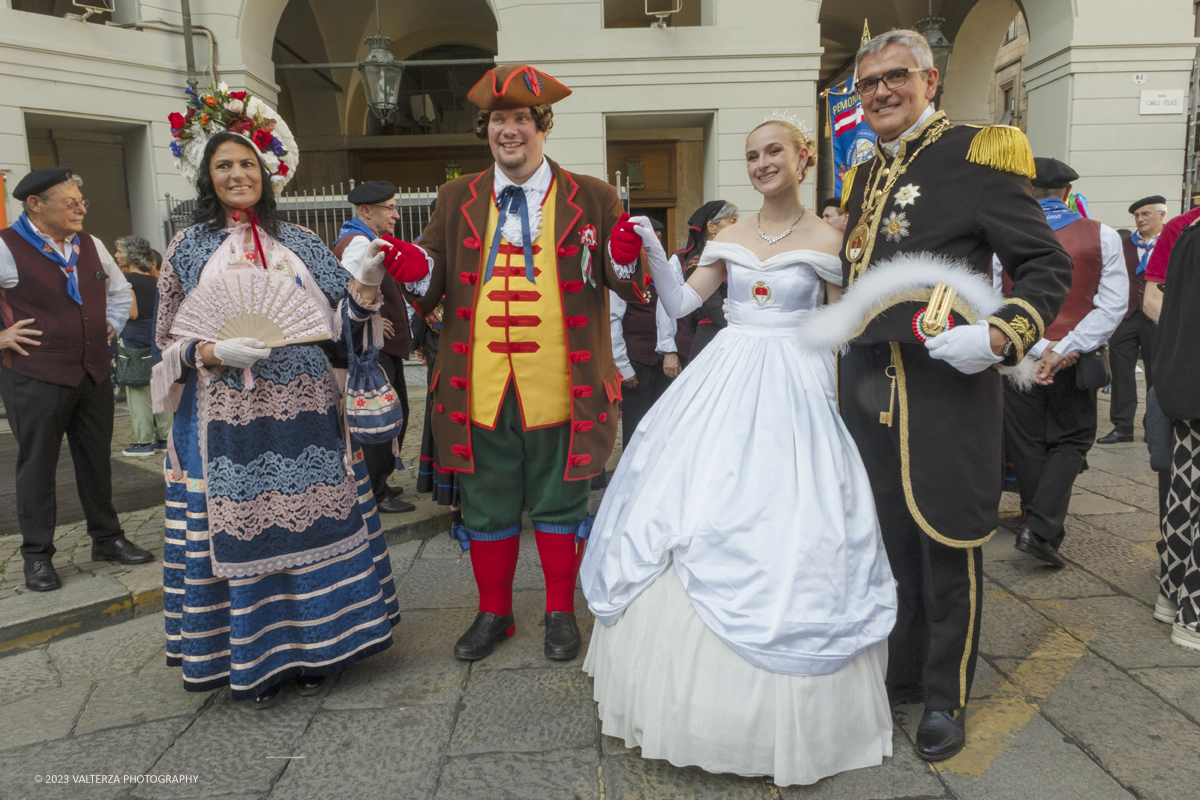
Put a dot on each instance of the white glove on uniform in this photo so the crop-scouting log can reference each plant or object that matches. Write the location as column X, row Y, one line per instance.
column 241, row 352
column 674, row 295
column 369, row 269
column 967, row 348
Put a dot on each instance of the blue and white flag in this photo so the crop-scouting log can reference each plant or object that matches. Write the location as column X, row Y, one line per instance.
column 853, row 139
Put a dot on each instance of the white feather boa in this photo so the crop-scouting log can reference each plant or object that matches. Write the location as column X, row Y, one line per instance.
column 903, row 278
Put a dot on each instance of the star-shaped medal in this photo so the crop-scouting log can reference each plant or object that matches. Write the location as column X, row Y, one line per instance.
column 907, row 195
column 896, row 225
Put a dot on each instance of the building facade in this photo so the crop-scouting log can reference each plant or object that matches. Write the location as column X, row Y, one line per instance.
column 667, row 107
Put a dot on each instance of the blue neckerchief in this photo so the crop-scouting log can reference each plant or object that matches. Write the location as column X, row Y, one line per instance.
column 356, row 225
column 25, row 229
column 1058, row 213
column 511, row 200
column 1146, row 247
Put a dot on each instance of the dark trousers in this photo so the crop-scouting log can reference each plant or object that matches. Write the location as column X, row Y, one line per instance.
column 1133, row 333
column 1048, row 431
column 379, row 458
column 651, row 383
column 40, row 414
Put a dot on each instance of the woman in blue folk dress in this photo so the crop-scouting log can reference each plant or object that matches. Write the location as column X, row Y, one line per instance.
column 275, row 565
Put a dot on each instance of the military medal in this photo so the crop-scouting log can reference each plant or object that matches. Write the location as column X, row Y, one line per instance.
column 896, row 224
column 907, row 195
column 856, row 241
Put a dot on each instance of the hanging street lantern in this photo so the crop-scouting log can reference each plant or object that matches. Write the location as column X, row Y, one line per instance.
column 931, row 29
column 381, row 77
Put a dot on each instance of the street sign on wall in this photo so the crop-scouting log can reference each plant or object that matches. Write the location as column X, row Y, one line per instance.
column 1162, row 101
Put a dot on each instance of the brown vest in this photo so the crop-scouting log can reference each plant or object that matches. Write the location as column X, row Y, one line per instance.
column 641, row 333
column 1137, row 283
column 1081, row 240
column 394, row 308
column 74, row 340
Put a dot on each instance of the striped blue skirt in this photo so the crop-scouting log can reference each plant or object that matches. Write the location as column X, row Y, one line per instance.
column 251, row 633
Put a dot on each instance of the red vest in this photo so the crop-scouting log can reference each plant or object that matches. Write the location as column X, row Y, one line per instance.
column 1081, row 240
column 74, row 340
column 394, row 308
column 1137, row 283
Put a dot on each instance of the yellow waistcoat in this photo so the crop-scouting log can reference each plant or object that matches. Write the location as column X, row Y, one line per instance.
column 519, row 333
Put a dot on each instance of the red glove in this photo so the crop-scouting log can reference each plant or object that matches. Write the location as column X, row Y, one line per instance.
column 405, row 262
column 624, row 242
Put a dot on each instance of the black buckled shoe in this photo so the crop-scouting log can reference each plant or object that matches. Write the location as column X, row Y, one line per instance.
column 120, row 550
column 40, row 576
column 1029, row 542
column 480, row 639
column 267, row 698
column 940, row 735
column 562, row 636
column 1115, row 437
column 310, row 685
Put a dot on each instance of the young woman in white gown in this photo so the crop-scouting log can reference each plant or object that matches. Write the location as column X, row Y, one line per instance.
column 736, row 566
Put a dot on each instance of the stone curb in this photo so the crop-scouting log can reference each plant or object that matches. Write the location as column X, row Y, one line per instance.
column 88, row 602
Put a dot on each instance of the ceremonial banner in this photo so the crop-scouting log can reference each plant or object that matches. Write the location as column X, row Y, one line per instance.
column 853, row 139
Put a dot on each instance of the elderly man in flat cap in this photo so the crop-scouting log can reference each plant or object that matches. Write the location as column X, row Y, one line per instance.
column 1049, row 428
column 1136, row 329
column 62, row 298
column 375, row 216
column 524, row 389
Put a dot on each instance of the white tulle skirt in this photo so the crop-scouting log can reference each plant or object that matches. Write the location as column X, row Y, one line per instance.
column 669, row 685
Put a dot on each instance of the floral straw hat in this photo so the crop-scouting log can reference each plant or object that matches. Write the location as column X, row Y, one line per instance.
column 237, row 112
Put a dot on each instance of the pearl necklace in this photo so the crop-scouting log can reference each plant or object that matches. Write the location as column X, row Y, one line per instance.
column 774, row 239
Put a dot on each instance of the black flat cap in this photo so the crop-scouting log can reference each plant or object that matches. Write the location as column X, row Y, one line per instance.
column 369, row 192
column 1053, row 174
column 40, row 180
column 1148, row 201
column 831, row 202
column 656, row 225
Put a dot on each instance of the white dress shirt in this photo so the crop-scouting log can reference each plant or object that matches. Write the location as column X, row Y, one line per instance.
column 535, row 193
column 1108, row 306
column 120, row 296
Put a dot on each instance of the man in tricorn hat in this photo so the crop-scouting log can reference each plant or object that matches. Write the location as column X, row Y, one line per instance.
column 61, row 297
column 375, row 215
column 524, row 389
column 1049, row 427
column 1136, row 331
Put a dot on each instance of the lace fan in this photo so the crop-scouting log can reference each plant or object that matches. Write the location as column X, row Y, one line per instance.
column 266, row 306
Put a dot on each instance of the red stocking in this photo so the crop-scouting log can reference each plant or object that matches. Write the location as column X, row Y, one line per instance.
column 560, row 565
column 495, row 564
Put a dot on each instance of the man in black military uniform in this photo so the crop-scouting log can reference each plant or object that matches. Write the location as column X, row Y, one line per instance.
column 925, row 409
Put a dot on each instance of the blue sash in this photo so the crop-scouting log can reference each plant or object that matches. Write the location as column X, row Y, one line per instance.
column 356, row 225
column 1058, row 213
column 1146, row 248
column 26, row 231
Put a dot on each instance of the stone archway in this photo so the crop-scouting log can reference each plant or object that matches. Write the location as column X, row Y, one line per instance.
column 972, row 63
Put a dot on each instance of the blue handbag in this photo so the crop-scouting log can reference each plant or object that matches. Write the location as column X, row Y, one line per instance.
column 373, row 411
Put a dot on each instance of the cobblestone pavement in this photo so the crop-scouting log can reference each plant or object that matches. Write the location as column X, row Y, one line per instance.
column 1079, row 694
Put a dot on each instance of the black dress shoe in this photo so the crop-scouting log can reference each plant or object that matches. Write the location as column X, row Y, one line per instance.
column 904, row 696
column 395, row 491
column 393, row 505
column 940, row 735
column 1029, row 542
column 267, row 698
column 1115, row 437
column 120, row 550
column 309, row 685
column 480, row 639
column 40, row 576
column 562, row 636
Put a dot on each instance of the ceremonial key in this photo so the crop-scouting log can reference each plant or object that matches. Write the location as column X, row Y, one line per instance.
column 885, row 417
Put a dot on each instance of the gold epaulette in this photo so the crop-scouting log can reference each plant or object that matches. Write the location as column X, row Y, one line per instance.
column 847, row 185
column 1002, row 147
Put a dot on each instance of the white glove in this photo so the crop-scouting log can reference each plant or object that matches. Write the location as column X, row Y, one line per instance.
column 241, row 352
column 369, row 270
column 674, row 295
column 967, row 348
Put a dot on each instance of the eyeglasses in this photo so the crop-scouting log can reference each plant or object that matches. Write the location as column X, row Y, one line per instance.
column 390, row 209
column 892, row 80
column 70, row 205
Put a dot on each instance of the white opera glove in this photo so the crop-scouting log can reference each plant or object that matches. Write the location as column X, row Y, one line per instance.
column 369, row 270
column 240, row 352
column 967, row 348
column 674, row 294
